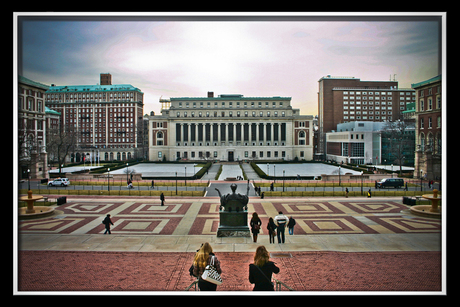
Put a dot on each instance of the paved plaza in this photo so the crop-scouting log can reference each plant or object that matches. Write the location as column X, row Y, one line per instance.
column 347, row 232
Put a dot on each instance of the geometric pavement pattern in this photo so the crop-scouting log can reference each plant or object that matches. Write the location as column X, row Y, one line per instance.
column 201, row 217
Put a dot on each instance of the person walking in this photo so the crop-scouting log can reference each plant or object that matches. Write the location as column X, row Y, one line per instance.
column 281, row 221
column 162, row 198
column 271, row 227
column 346, row 192
column 255, row 226
column 202, row 258
column 291, row 225
column 107, row 221
column 260, row 272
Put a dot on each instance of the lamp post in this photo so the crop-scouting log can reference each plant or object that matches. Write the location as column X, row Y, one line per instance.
column 185, row 177
column 28, row 179
column 176, row 183
column 274, row 173
column 421, row 180
column 339, row 175
column 362, row 173
column 283, row 179
column 127, row 171
column 108, row 179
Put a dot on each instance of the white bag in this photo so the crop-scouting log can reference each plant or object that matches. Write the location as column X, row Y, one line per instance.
column 210, row 274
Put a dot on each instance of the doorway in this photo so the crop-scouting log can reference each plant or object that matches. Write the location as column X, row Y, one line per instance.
column 230, row 156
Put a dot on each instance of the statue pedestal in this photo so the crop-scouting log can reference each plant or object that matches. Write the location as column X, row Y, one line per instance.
column 233, row 224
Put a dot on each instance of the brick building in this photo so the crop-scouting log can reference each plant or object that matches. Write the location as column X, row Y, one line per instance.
column 347, row 99
column 428, row 121
column 106, row 118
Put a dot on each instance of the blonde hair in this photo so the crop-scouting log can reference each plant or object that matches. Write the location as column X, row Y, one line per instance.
column 201, row 257
column 261, row 256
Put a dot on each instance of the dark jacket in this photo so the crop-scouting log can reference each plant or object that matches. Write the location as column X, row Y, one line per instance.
column 107, row 221
column 262, row 281
column 254, row 223
column 271, row 227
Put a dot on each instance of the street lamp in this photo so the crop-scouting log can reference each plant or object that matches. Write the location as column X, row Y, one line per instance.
column 339, row 175
column 274, row 173
column 283, row 179
column 28, row 179
column 108, row 179
column 185, row 178
column 127, row 171
column 362, row 173
column 176, row 183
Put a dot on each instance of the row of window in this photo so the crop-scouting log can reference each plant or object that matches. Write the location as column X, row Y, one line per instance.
column 230, row 104
column 207, row 154
column 378, row 93
column 230, row 114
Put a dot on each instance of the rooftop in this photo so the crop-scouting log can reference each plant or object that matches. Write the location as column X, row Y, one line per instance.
column 27, row 81
column 93, row 88
column 438, row 78
column 230, row 97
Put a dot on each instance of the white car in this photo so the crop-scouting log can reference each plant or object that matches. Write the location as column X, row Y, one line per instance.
column 59, row 182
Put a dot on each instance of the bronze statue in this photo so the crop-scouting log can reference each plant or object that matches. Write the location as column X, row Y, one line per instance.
column 233, row 201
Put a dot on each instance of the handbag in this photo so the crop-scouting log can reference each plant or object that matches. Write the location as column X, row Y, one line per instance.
column 210, row 274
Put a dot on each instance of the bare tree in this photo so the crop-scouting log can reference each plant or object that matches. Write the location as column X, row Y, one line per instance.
column 60, row 143
column 401, row 137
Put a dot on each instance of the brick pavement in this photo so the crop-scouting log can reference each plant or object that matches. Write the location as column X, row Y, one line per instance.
column 200, row 216
column 305, row 271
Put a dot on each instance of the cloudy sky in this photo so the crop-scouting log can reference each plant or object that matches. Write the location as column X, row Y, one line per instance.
column 253, row 58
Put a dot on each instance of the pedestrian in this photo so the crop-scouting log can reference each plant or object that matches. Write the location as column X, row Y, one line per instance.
column 291, row 225
column 260, row 272
column 153, row 184
column 369, row 194
column 162, row 198
column 107, row 221
column 255, row 226
column 406, row 186
column 346, row 192
column 203, row 258
column 376, row 184
column 281, row 221
column 271, row 187
column 271, row 227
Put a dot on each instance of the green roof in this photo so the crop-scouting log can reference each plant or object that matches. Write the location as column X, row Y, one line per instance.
column 27, row 81
column 49, row 111
column 426, row 82
column 93, row 88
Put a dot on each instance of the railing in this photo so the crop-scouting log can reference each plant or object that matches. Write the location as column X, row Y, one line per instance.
column 279, row 283
column 195, row 283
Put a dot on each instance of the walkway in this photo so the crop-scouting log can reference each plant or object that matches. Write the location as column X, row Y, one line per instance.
column 340, row 244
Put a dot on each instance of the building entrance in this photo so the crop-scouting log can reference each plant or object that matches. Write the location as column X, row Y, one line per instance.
column 230, row 156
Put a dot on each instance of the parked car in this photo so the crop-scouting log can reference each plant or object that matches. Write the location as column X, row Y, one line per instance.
column 59, row 182
column 390, row 182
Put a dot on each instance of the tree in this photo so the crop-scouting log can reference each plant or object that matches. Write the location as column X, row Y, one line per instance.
column 401, row 140
column 60, row 143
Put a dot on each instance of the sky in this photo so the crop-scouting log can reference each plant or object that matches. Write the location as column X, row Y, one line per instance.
column 252, row 58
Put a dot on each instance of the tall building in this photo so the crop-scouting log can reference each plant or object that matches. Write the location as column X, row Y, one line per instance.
column 346, row 99
column 230, row 128
column 106, row 119
column 32, row 129
column 428, row 145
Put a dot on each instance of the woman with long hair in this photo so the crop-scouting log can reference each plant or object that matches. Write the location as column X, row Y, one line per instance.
column 255, row 226
column 260, row 272
column 202, row 259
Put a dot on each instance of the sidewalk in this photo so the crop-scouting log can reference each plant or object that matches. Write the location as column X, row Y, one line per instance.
column 190, row 243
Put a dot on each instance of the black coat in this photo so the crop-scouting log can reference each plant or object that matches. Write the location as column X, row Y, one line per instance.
column 262, row 281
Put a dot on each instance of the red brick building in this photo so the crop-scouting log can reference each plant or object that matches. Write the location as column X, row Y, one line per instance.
column 347, row 99
column 428, row 137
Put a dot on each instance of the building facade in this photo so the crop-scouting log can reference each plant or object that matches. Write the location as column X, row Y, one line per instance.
column 370, row 143
column 428, row 146
column 106, row 118
column 347, row 99
column 230, row 128
column 32, row 129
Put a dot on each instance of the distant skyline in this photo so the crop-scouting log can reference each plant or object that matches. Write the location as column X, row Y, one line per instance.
column 252, row 58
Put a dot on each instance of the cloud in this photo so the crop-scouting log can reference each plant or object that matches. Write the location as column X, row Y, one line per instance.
column 250, row 58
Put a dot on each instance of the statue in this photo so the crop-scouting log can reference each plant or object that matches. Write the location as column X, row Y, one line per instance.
column 233, row 202
column 233, row 214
